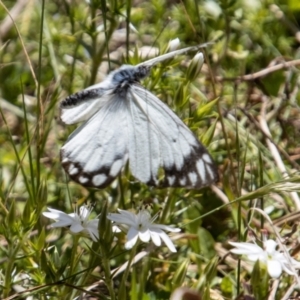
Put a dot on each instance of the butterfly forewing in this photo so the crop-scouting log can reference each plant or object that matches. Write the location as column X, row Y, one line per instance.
column 83, row 105
column 124, row 121
column 96, row 152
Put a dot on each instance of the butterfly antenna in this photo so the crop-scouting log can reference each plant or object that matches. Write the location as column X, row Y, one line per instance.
column 104, row 8
column 128, row 13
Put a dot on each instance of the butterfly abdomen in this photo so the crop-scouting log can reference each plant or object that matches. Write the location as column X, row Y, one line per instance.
column 81, row 96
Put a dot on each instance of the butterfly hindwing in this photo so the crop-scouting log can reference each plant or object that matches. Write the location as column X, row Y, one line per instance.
column 167, row 144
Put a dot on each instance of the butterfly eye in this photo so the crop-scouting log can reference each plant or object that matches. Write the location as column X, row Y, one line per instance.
column 142, row 72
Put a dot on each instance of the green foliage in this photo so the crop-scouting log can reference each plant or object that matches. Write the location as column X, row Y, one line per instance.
column 48, row 52
column 180, row 274
column 259, row 281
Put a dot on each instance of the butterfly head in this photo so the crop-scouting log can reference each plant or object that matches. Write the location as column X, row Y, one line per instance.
column 128, row 75
column 142, row 72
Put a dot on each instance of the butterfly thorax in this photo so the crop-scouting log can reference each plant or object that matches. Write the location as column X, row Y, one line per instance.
column 128, row 75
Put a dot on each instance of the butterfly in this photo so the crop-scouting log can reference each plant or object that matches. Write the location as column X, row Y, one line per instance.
column 123, row 122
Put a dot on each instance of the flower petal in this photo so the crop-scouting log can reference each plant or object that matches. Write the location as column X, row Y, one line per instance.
column 253, row 251
column 165, row 227
column 56, row 215
column 287, row 268
column 270, row 246
column 132, row 237
column 261, row 256
column 168, row 241
column 56, row 211
column 127, row 214
column 93, row 223
column 141, row 226
column 62, row 223
column 144, row 235
column 143, row 217
column 155, row 237
column 76, row 227
column 295, row 263
column 124, row 217
column 116, row 229
column 94, row 234
column 246, row 248
column 84, row 212
column 274, row 268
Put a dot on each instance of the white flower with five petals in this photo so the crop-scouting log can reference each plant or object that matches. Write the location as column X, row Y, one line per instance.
column 77, row 221
column 275, row 261
column 140, row 226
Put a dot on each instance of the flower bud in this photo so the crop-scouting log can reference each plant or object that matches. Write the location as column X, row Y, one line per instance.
column 105, row 228
column 173, row 45
column 259, row 280
column 180, row 273
column 180, row 96
column 11, row 218
column 195, row 67
column 56, row 259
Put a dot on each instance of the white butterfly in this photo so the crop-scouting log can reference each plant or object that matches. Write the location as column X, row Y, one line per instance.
column 125, row 122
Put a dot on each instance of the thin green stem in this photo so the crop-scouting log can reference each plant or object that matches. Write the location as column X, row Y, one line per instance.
column 20, row 160
column 107, row 272
column 122, row 295
column 8, row 270
column 121, row 192
column 238, row 185
column 39, row 104
column 261, row 184
column 97, row 56
column 28, row 144
column 72, row 265
column 73, row 255
column 167, row 209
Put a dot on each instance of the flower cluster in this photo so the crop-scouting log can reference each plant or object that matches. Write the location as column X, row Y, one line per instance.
column 138, row 226
column 275, row 260
column 78, row 221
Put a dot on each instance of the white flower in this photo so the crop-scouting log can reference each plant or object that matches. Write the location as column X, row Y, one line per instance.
column 275, row 260
column 173, row 45
column 78, row 221
column 141, row 226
